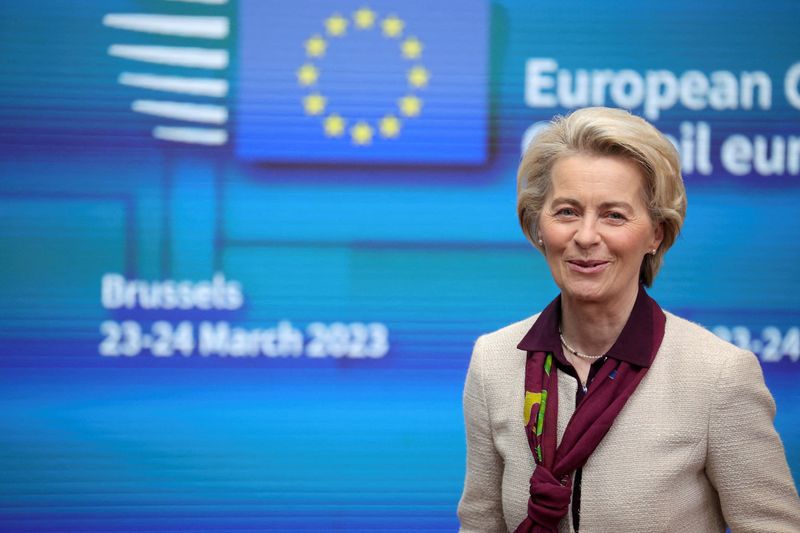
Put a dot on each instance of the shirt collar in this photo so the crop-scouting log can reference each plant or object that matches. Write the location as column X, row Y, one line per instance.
column 634, row 345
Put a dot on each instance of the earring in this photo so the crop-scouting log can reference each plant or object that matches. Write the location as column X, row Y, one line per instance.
column 541, row 242
column 652, row 252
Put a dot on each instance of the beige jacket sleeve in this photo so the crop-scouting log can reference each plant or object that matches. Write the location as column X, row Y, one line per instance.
column 481, row 507
column 746, row 462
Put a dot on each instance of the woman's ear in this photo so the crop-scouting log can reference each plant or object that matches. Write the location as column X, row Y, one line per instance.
column 658, row 236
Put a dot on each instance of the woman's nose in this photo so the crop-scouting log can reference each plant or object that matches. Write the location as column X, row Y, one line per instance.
column 586, row 235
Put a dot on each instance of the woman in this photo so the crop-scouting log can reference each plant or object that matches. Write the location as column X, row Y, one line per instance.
column 649, row 423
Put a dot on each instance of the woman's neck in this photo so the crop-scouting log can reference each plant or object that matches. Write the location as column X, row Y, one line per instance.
column 592, row 327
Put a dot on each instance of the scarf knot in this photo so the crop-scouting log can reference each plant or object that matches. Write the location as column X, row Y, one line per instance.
column 549, row 502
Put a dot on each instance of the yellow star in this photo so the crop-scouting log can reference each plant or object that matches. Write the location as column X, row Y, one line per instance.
column 314, row 104
column 365, row 18
column 418, row 76
column 315, row 46
column 412, row 48
column 392, row 26
column 410, row 106
column 307, row 75
column 390, row 127
column 336, row 25
column 361, row 133
column 334, row 125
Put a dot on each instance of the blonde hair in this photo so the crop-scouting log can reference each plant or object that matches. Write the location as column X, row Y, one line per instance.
column 601, row 131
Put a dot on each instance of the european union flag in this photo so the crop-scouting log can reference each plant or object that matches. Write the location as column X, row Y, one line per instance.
column 363, row 81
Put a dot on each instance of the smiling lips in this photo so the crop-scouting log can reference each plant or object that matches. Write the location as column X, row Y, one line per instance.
column 587, row 266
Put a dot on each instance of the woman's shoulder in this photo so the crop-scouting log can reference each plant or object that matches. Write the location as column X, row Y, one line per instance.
column 697, row 348
column 507, row 337
column 681, row 330
column 496, row 352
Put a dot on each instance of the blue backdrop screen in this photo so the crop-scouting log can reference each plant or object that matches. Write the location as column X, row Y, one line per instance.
column 247, row 246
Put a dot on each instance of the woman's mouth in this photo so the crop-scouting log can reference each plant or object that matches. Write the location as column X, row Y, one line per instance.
column 587, row 266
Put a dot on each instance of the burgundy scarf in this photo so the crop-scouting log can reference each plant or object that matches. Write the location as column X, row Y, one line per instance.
column 551, row 482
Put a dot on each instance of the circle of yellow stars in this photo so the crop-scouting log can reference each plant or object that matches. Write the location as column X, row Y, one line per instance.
column 362, row 132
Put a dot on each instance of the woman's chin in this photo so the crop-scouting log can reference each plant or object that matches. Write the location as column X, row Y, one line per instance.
column 587, row 292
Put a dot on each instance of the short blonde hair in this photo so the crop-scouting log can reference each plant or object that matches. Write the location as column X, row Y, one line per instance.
column 601, row 131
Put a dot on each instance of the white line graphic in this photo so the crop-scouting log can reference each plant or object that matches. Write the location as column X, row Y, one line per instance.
column 210, row 58
column 175, row 84
column 206, row 113
column 207, row 136
column 180, row 25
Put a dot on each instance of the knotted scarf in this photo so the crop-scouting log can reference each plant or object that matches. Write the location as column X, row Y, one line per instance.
column 551, row 482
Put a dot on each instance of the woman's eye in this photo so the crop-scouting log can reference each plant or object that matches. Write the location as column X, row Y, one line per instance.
column 566, row 212
column 616, row 216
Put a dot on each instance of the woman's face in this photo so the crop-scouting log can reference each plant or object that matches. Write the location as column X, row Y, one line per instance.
column 596, row 229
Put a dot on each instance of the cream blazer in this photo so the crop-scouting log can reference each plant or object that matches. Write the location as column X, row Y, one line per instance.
column 693, row 449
